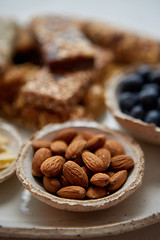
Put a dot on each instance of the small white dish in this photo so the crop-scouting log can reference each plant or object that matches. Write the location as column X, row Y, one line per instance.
column 14, row 143
column 24, row 162
column 147, row 132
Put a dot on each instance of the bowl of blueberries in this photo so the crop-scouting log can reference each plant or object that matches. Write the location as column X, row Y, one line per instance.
column 133, row 97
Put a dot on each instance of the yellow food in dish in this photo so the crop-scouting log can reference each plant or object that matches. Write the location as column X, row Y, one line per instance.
column 6, row 155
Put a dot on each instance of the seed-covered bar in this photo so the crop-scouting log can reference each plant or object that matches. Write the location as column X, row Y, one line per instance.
column 62, row 45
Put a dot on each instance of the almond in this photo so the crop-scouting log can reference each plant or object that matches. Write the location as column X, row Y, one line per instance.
column 75, row 148
column 121, row 162
column 72, row 192
column 51, row 184
column 114, row 147
column 66, row 135
column 40, row 144
column 87, row 135
column 94, row 163
column 52, row 166
column 96, row 192
column 87, row 171
column 110, row 173
column 74, row 174
column 117, row 180
column 63, row 180
column 39, row 157
column 95, row 142
column 105, row 156
column 58, row 147
column 100, row 179
column 78, row 160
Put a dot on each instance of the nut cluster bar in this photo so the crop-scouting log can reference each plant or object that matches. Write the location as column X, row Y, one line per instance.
column 127, row 47
column 8, row 31
column 61, row 92
column 62, row 45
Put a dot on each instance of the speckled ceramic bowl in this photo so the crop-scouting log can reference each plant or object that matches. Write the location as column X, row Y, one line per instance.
column 134, row 180
column 139, row 129
column 14, row 143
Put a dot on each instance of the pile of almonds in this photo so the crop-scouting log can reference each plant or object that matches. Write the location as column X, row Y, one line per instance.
column 80, row 165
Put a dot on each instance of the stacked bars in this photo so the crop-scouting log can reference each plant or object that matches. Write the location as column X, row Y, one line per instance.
column 63, row 46
column 8, row 32
column 60, row 92
column 127, row 47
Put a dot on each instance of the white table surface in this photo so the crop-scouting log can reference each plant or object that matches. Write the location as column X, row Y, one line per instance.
column 138, row 15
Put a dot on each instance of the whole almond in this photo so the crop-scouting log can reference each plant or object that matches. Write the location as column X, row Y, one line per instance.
column 58, row 147
column 72, row 192
column 74, row 174
column 66, row 135
column 94, row 163
column 114, row 147
column 95, row 142
column 51, row 184
column 105, row 156
column 117, row 180
column 100, row 179
column 39, row 157
column 75, row 148
column 96, row 192
column 40, row 144
column 52, row 166
column 121, row 162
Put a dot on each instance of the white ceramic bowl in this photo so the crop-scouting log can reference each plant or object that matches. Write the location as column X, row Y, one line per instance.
column 23, row 168
column 14, row 143
column 138, row 128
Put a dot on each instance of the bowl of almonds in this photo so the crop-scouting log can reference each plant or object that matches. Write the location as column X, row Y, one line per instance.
column 80, row 166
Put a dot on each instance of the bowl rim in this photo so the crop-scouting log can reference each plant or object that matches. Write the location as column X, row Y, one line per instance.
column 79, row 205
column 9, row 171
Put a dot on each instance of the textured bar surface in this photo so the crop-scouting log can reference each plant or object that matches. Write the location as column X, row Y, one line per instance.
column 60, row 92
column 63, row 46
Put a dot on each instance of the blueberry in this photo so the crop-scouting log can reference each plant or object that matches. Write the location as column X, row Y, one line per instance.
column 132, row 83
column 153, row 116
column 138, row 112
column 158, row 103
column 150, row 85
column 155, row 77
column 127, row 100
column 148, row 97
column 145, row 72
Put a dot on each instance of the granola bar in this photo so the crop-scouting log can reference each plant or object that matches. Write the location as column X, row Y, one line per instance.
column 63, row 46
column 61, row 92
column 8, row 31
column 127, row 47
column 13, row 79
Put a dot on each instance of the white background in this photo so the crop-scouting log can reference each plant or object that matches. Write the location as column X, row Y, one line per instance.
column 137, row 15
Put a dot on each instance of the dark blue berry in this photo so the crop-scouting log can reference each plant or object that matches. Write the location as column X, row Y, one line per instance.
column 145, row 72
column 138, row 112
column 155, row 77
column 132, row 83
column 153, row 116
column 151, row 85
column 126, row 101
column 148, row 97
column 158, row 103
